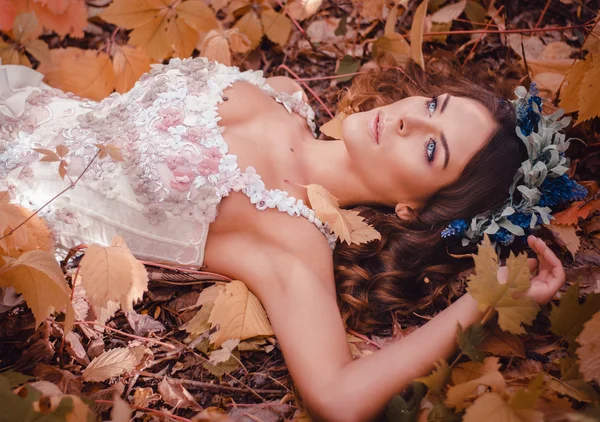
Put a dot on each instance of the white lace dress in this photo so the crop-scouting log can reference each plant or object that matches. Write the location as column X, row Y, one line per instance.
column 163, row 195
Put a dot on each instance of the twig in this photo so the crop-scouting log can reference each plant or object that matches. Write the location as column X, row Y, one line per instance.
column 502, row 31
column 322, row 78
column 211, row 386
column 284, row 67
column 62, row 341
column 11, row 231
column 542, row 15
column 481, row 37
column 147, row 409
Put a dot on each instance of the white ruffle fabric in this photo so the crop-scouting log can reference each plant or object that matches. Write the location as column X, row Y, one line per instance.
column 17, row 83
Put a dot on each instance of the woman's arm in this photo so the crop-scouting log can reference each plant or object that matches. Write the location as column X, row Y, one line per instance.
column 303, row 311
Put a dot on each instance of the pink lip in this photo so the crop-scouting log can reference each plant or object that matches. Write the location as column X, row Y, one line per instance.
column 376, row 126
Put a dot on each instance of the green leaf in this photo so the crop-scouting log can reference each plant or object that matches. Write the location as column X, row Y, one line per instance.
column 19, row 407
column 15, row 378
column 508, row 299
column 341, row 28
column 526, row 398
column 568, row 317
column 438, row 378
column 442, row 413
column 469, row 341
column 347, row 65
column 475, row 12
column 400, row 410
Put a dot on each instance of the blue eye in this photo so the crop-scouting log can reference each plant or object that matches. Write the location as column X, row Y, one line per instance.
column 430, row 147
column 432, row 105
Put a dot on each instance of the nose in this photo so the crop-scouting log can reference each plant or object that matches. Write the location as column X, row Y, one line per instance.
column 412, row 123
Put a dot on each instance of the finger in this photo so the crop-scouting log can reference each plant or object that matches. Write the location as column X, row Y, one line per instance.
column 532, row 263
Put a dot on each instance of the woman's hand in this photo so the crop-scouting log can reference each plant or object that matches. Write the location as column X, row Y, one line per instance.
column 550, row 272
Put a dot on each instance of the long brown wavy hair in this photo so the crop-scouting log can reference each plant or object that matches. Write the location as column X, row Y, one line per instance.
column 409, row 268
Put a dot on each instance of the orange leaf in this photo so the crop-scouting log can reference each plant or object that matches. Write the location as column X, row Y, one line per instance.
column 62, row 150
column 589, row 352
column 71, row 20
column 249, row 24
column 333, row 128
column 277, row 26
column 49, row 156
column 87, row 73
column 62, row 170
column 589, row 93
column 216, row 47
column 566, row 236
column 114, row 152
column 7, row 17
column 569, row 93
column 572, row 214
column 416, row 34
column 129, row 63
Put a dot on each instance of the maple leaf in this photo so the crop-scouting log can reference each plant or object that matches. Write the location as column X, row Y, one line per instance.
column 589, row 91
column 416, row 34
column 25, row 32
column 162, row 27
column 347, row 224
column 438, row 378
column 112, row 273
column 589, row 350
column 129, row 64
column 87, row 73
column 239, row 314
column 32, row 235
column 567, row 318
column 112, row 363
column 490, row 407
column 37, row 276
column 569, row 93
column 485, row 288
column 468, row 376
column 469, row 340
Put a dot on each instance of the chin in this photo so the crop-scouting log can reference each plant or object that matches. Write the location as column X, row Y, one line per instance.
column 354, row 132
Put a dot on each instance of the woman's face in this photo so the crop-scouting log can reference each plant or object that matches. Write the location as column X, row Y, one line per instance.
column 408, row 150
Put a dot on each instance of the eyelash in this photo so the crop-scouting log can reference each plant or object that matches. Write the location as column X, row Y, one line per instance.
column 430, row 144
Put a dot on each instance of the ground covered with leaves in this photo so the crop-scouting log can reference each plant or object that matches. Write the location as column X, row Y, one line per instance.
column 156, row 343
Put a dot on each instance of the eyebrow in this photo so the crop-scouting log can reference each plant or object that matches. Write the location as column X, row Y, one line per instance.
column 444, row 141
column 445, row 103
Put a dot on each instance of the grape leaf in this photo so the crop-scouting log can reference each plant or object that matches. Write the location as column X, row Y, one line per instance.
column 112, row 273
column 416, row 34
column 38, row 277
column 568, row 317
column 490, row 407
column 589, row 351
column 239, row 315
column 485, row 288
column 469, row 341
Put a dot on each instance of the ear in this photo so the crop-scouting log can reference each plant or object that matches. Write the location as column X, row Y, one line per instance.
column 404, row 212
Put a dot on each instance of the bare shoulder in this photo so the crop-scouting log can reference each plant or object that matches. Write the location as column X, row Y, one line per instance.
column 264, row 245
column 285, row 84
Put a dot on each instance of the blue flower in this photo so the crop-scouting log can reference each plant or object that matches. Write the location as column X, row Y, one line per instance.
column 455, row 228
column 560, row 189
column 527, row 119
column 520, row 219
column 503, row 236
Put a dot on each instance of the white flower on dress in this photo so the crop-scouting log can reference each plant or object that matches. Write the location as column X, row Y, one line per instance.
column 108, row 188
column 155, row 213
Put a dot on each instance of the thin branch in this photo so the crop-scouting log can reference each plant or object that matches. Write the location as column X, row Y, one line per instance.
column 537, row 25
column 302, row 31
column 291, row 72
column 147, row 409
column 503, row 31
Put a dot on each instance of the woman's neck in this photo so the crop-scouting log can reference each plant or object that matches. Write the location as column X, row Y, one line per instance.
column 327, row 163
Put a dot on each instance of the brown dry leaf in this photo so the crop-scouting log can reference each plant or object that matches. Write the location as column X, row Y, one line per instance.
column 503, row 343
column 218, row 45
column 566, row 236
column 577, row 389
column 32, row 235
column 112, row 363
column 199, row 323
column 276, row 26
column 575, row 211
column 250, row 25
column 121, row 412
column 490, row 407
column 589, row 350
column 369, row 9
column 333, row 128
column 162, row 27
column 589, row 92
column 37, row 275
column 87, row 73
column 450, row 12
column 174, row 394
column 239, row 315
column 468, row 376
column 67, row 18
column 112, row 273
column 303, row 9
column 391, row 42
column 224, row 353
column 592, row 44
column 416, row 34
column 347, row 224
column 129, row 64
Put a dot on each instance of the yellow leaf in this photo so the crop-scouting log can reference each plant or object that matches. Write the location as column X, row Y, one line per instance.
column 592, row 44
column 111, row 363
column 589, row 92
column 485, row 288
column 438, row 378
column 416, row 34
column 395, row 45
column 450, row 12
column 360, row 231
column 333, row 128
column 37, row 275
column 238, row 42
column 468, row 376
column 129, row 64
column 10, row 54
column 26, row 27
column 589, row 350
column 569, row 93
column 162, row 27
column 38, row 49
column 216, row 47
column 277, row 26
column 87, row 73
column 249, row 24
column 566, row 236
column 113, row 273
column 239, row 315
column 199, row 323
column 490, row 407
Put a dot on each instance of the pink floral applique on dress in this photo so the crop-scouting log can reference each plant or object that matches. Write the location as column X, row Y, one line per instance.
column 170, row 117
column 210, row 164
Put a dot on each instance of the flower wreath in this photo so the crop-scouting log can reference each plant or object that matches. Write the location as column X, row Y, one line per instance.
column 541, row 179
